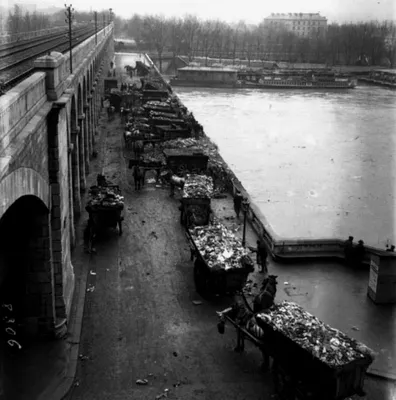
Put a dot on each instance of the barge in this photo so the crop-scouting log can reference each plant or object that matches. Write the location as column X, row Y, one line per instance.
column 287, row 79
column 381, row 77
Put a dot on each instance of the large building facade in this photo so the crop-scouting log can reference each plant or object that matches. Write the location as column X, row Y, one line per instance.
column 301, row 24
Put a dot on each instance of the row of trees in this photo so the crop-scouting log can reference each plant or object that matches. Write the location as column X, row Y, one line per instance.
column 366, row 42
column 19, row 21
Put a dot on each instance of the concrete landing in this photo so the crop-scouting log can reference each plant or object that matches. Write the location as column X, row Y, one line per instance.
column 334, row 293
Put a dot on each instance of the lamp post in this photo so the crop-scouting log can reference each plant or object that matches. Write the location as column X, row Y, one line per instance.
column 245, row 207
column 96, row 26
column 111, row 15
column 69, row 19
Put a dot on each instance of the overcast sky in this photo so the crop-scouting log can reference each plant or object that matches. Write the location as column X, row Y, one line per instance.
column 252, row 11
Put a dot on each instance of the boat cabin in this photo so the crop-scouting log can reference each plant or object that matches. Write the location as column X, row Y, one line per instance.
column 207, row 74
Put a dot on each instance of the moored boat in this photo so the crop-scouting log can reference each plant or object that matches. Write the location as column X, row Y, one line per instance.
column 289, row 79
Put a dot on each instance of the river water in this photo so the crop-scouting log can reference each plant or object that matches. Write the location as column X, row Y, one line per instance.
column 318, row 164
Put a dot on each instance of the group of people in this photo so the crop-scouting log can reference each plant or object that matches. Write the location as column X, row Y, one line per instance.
column 354, row 255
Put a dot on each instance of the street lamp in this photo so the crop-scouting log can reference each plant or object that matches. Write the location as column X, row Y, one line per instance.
column 245, row 208
column 69, row 19
column 96, row 26
column 111, row 15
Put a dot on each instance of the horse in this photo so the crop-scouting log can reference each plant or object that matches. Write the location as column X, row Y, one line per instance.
column 110, row 113
column 138, row 148
column 265, row 299
column 176, row 181
column 138, row 176
column 244, row 317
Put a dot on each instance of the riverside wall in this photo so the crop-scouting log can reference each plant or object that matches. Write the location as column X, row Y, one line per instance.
column 283, row 248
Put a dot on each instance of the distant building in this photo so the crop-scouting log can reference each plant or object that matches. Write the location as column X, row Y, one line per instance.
column 301, row 24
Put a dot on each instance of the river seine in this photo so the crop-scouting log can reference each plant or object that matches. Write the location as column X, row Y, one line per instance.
column 318, row 164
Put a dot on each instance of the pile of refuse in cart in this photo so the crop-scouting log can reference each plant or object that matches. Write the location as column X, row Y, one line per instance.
column 181, row 143
column 153, row 155
column 219, row 247
column 329, row 345
column 197, row 186
column 105, row 197
column 216, row 163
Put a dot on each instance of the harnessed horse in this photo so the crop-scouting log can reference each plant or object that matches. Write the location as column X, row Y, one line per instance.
column 138, row 176
column 265, row 299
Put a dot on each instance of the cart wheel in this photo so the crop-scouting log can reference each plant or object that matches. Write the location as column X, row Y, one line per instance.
column 182, row 217
column 200, row 278
column 283, row 383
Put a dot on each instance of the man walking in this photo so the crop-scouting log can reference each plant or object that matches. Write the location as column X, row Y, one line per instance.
column 261, row 256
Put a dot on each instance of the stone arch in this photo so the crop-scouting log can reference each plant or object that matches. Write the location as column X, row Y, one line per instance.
column 33, row 184
column 26, row 272
column 81, row 159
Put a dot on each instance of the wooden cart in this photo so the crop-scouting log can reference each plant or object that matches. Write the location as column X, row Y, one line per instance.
column 197, row 207
column 296, row 372
column 209, row 281
column 180, row 161
column 104, row 217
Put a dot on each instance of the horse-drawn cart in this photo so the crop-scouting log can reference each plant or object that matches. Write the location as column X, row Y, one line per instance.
column 309, row 360
column 104, row 207
column 221, row 264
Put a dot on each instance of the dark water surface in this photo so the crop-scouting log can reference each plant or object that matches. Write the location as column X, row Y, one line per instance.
column 319, row 164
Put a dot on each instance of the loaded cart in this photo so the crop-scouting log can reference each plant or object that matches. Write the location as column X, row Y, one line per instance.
column 309, row 359
column 104, row 207
column 195, row 205
column 221, row 264
column 187, row 159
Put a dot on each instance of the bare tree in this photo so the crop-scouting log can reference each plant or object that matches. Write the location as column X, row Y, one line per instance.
column 389, row 30
column 156, row 35
column 176, row 37
column 191, row 27
column 15, row 20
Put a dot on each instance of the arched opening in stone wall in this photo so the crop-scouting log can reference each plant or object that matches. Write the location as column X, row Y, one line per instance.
column 81, row 159
column 26, row 277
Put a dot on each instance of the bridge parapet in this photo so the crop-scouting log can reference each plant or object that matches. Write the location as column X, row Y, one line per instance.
column 19, row 105
column 57, row 65
column 81, row 51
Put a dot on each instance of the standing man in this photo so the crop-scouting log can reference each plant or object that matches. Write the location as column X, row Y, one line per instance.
column 360, row 252
column 348, row 250
column 262, row 255
column 137, row 177
column 238, row 202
